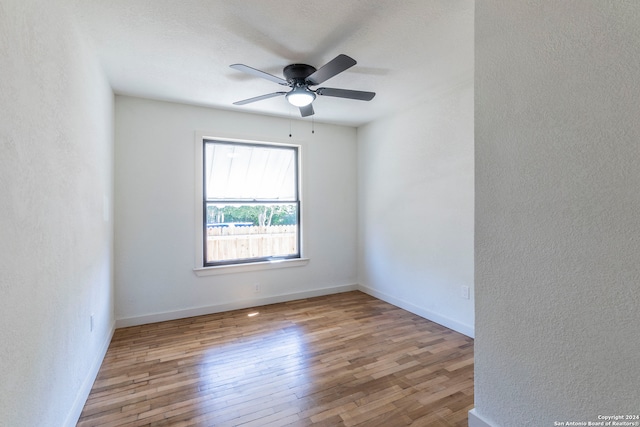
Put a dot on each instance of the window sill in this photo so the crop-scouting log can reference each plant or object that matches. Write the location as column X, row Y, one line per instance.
column 254, row 266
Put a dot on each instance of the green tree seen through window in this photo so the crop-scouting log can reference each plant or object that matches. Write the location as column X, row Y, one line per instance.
column 284, row 214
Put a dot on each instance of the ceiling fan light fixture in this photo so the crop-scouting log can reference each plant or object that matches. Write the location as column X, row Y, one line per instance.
column 300, row 96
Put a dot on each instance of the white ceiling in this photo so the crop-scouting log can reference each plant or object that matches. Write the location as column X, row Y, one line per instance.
column 180, row 50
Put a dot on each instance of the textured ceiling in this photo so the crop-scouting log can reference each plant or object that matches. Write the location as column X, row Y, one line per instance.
column 180, row 50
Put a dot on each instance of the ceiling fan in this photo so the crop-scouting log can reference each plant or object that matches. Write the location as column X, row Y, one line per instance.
column 300, row 76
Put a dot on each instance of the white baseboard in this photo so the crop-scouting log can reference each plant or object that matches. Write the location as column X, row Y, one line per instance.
column 476, row 420
column 87, row 384
column 464, row 329
column 236, row 305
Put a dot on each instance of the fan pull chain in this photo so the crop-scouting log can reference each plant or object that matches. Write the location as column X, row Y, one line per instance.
column 313, row 125
column 289, row 122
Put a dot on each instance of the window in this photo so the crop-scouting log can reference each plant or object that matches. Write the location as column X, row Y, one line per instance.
column 251, row 204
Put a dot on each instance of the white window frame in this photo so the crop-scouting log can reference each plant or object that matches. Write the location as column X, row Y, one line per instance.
column 199, row 268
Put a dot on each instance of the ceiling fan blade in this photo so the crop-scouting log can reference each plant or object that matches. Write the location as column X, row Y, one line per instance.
column 258, row 73
column 345, row 93
column 307, row 110
column 258, row 98
column 337, row 65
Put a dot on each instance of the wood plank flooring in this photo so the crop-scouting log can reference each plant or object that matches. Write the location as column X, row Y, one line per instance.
column 339, row 360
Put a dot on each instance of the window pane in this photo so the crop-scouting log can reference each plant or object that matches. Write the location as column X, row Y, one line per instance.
column 241, row 231
column 251, row 202
column 249, row 172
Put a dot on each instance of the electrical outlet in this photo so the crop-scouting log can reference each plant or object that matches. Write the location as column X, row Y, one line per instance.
column 465, row 292
column 91, row 322
column 256, row 288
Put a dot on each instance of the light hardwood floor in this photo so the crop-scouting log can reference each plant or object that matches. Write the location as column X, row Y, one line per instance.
column 339, row 360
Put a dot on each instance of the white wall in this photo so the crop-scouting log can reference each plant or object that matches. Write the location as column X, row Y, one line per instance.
column 155, row 210
column 56, row 122
column 557, row 203
column 415, row 209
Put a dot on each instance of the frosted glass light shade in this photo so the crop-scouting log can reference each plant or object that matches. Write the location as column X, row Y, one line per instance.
column 300, row 97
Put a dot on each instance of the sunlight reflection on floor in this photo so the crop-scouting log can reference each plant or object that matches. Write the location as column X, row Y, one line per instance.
column 237, row 369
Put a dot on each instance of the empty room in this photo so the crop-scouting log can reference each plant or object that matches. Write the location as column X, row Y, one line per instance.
column 285, row 213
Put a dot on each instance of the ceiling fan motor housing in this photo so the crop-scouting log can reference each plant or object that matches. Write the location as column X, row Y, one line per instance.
column 296, row 74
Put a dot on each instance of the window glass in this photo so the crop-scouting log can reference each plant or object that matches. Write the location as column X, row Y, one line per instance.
column 251, row 204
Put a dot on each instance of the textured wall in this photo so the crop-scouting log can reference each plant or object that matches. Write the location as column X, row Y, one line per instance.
column 56, row 121
column 557, row 202
column 155, row 209
column 415, row 187
column 415, row 208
